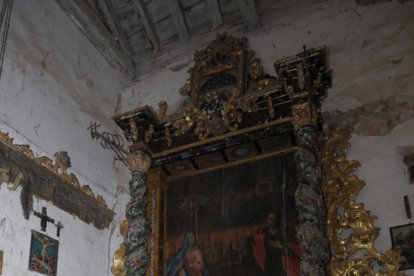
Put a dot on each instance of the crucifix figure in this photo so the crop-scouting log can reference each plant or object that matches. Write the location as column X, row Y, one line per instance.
column 44, row 219
column 59, row 226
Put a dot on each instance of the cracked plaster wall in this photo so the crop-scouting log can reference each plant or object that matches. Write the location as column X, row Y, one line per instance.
column 372, row 59
column 54, row 82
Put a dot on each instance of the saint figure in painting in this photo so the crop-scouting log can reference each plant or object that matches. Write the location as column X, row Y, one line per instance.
column 273, row 253
column 189, row 261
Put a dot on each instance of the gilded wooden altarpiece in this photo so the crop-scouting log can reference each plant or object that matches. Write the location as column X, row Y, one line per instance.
column 236, row 116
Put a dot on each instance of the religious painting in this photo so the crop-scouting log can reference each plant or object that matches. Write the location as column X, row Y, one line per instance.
column 1, row 262
column 402, row 238
column 43, row 254
column 240, row 220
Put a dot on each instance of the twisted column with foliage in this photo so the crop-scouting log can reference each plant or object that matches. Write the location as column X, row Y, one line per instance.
column 136, row 239
column 309, row 198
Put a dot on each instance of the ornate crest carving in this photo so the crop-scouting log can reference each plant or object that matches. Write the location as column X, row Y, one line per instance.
column 217, row 88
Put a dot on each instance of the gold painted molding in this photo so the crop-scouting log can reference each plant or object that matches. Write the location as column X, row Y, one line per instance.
column 350, row 228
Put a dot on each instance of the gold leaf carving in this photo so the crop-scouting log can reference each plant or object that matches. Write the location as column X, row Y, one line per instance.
column 46, row 162
column 87, row 190
column 139, row 162
column 118, row 262
column 123, row 228
column 303, row 114
column 5, row 138
column 25, row 149
column 62, row 162
column 350, row 228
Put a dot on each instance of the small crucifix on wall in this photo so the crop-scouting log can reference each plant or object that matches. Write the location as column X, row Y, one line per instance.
column 44, row 218
column 59, row 226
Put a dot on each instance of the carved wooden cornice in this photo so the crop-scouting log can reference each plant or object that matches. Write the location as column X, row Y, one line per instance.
column 230, row 98
column 53, row 181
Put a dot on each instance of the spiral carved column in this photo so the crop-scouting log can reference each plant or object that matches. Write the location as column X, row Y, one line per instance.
column 309, row 198
column 136, row 239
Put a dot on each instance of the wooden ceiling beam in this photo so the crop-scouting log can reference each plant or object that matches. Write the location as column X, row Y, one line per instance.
column 178, row 17
column 88, row 22
column 248, row 11
column 148, row 24
column 215, row 13
column 116, row 27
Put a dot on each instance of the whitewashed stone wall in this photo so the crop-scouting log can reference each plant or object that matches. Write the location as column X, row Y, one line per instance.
column 54, row 83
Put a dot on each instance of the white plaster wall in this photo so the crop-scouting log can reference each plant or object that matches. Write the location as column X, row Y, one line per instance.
column 371, row 55
column 83, row 249
column 54, row 82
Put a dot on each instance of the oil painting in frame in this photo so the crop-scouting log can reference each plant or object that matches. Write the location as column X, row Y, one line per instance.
column 43, row 254
column 235, row 221
column 402, row 238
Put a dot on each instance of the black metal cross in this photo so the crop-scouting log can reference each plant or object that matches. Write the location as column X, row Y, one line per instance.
column 59, row 226
column 44, row 219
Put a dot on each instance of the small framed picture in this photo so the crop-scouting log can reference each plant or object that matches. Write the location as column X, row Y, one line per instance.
column 43, row 254
column 402, row 238
column 1, row 262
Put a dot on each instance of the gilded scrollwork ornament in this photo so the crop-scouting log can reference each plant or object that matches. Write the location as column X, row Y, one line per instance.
column 350, row 228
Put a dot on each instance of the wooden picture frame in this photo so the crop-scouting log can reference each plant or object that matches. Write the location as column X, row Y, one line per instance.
column 402, row 238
